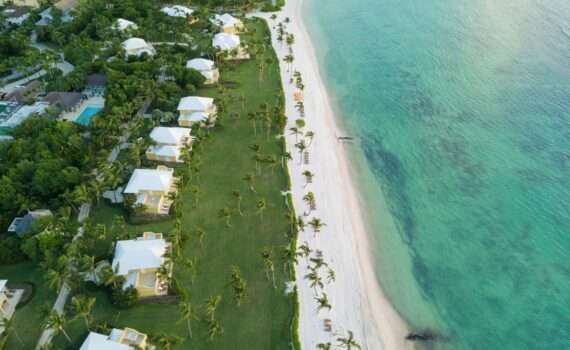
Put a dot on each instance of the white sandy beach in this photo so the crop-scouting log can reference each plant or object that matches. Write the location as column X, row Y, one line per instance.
column 358, row 303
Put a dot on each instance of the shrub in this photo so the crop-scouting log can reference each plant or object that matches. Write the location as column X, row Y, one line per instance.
column 124, row 298
column 11, row 252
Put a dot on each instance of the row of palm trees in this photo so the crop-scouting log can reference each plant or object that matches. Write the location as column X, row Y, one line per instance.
column 315, row 263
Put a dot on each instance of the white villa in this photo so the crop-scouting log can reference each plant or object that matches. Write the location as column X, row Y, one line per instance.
column 139, row 261
column 228, row 23
column 123, row 24
column 138, row 47
column 119, row 339
column 177, row 11
column 206, row 67
column 194, row 109
column 152, row 188
column 231, row 44
column 169, row 143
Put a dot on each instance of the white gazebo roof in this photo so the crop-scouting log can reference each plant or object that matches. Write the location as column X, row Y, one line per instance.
column 195, row 117
column 135, row 43
column 96, row 341
column 138, row 254
column 226, row 20
column 124, row 24
column 195, row 103
column 150, row 180
column 226, row 41
column 170, row 136
column 177, row 11
column 200, row 64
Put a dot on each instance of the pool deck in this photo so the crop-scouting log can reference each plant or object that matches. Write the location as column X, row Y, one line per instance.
column 95, row 101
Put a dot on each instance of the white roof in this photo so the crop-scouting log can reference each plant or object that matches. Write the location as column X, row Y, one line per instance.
column 195, row 117
column 138, row 254
column 96, row 341
column 177, row 11
column 165, row 151
column 24, row 113
column 123, row 24
column 200, row 64
column 195, row 103
column 149, row 180
column 169, row 136
column 226, row 20
column 135, row 43
column 226, row 41
column 3, row 284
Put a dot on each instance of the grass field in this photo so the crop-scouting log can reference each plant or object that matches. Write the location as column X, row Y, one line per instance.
column 263, row 321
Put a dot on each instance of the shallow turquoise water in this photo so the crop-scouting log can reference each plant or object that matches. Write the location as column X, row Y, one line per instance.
column 86, row 115
column 463, row 112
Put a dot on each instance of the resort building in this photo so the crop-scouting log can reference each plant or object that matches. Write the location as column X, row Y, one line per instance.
column 22, row 224
column 138, row 47
column 66, row 101
column 169, row 143
column 16, row 15
column 206, row 67
column 96, row 84
column 119, row 339
column 140, row 260
column 230, row 44
column 194, row 109
column 177, row 11
column 18, row 116
column 124, row 24
column 46, row 17
column 228, row 23
column 26, row 93
column 152, row 188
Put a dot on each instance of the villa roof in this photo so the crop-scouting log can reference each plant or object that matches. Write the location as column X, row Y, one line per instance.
column 138, row 254
column 195, row 117
column 226, row 41
column 3, row 284
column 135, row 43
column 24, row 113
column 177, row 11
column 20, row 94
column 169, row 136
column 124, row 24
column 65, row 99
column 96, row 341
column 165, row 150
column 97, row 79
column 195, row 103
column 22, row 224
column 225, row 20
column 200, row 64
column 15, row 11
column 150, row 180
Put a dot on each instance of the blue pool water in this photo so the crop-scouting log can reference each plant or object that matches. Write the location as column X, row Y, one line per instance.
column 88, row 113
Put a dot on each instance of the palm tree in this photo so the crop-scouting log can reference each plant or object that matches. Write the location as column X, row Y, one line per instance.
column 286, row 156
column 316, row 224
column 295, row 131
column 315, row 280
column 261, row 206
column 304, row 250
column 301, row 224
column 324, row 346
column 309, row 198
column 238, row 197
column 195, row 195
column 166, row 341
column 187, row 314
column 200, row 234
column 253, row 119
column 310, row 135
column 250, row 178
column 97, row 188
column 226, row 214
column 214, row 328
column 289, row 60
column 239, row 285
column 211, row 306
column 83, row 307
column 57, row 322
column 308, row 177
column 323, row 302
column 301, row 146
column 56, row 278
column 331, row 275
column 348, row 343
column 9, row 328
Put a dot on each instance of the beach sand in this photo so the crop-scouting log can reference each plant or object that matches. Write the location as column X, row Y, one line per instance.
column 358, row 302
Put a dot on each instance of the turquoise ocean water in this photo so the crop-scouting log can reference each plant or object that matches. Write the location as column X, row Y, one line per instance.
column 462, row 108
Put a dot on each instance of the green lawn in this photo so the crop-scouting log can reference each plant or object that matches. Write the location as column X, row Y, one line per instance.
column 28, row 319
column 264, row 320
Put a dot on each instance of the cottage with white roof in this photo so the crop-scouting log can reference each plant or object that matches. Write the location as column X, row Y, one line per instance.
column 177, row 11
column 140, row 260
column 231, row 45
column 119, row 339
column 152, row 188
column 123, row 24
column 206, row 67
column 228, row 23
column 169, row 143
column 194, row 109
column 138, row 47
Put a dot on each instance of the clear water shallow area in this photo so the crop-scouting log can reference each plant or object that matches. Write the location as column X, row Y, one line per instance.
column 462, row 109
column 87, row 114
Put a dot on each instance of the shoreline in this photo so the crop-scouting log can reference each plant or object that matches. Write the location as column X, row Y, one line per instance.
column 358, row 302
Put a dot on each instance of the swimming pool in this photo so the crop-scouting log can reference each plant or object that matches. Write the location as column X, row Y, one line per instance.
column 86, row 115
